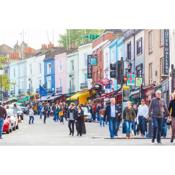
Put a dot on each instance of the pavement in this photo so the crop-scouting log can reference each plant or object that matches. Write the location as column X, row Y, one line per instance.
column 57, row 134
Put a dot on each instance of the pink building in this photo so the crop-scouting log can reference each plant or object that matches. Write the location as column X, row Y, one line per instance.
column 61, row 73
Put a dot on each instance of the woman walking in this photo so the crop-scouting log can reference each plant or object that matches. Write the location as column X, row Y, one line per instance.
column 129, row 117
column 80, row 120
column 171, row 109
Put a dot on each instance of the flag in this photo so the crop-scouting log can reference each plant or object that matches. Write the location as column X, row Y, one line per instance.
column 42, row 91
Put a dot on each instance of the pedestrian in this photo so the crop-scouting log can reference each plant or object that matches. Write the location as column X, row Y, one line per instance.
column 15, row 111
column 118, row 117
column 110, row 113
column 142, row 117
column 101, row 116
column 80, row 121
column 54, row 109
column 61, row 113
column 157, row 110
column 171, row 109
column 129, row 117
column 3, row 115
column 45, row 111
column 41, row 110
column 31, row 115
column 72, row 115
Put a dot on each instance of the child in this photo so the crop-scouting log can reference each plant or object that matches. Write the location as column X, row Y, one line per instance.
column 31, row 115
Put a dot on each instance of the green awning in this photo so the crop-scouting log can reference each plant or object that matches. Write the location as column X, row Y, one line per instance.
column 27, row 98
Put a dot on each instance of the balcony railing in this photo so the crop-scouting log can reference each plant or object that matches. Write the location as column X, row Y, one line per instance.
column 84, row 85
column 59, row 90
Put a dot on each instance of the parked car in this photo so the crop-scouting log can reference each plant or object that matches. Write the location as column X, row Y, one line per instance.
column 20, row 113
column 7, row 128
column 87, row 114
column 14, row 120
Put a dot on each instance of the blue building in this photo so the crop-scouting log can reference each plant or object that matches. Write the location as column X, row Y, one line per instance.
column 49, row 68
column 116, row 52
column 49, row 74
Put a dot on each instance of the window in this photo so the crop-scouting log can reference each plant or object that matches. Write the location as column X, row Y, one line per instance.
column 39, row 68
column 40, row 82
column 129, row 51
column 14, row 73
column 31, row 69
column 49, row 82
column 150, row 42
column 60, row 65
column 161, row 38
column 85, row 59
column 49, row 68
column 72, row 65
column 139, row 46
column 60, row 82
column 150, row 73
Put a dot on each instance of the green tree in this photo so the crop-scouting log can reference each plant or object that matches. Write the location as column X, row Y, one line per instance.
column 4, row 82
column 75, row 37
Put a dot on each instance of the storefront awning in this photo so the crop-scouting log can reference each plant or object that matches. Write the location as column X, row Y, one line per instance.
column 78, row 95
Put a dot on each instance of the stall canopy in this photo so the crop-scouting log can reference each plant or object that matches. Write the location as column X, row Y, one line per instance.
column 50, row 98
column 26, row 98
column 81, row 96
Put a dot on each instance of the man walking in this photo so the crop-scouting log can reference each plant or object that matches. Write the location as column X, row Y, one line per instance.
column 157, row 109
column 3, row 115
column 110, row 112
column 72, row 116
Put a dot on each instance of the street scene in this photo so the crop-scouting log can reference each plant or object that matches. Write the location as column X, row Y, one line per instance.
column 93, row 87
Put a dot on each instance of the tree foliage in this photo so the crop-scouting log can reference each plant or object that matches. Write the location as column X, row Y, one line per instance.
column 76, row 37
column 4, row 82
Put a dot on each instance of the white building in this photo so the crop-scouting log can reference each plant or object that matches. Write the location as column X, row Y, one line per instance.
column 72, row 69
column 35, row 73
column 26, row 75
column 83, row 52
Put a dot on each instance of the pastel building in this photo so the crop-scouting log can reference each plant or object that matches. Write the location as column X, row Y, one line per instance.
column 83, row 52
column 61, row 79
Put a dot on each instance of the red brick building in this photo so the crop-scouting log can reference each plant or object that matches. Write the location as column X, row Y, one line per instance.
column 97, row 71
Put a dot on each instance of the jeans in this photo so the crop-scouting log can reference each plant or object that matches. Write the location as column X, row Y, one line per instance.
column 71, row 126
column 142, row 125
column 112, row 127
column 102, row 122
column 157, row 128
column 41, row 114
column 117, row 126
column 55, row 118
column 129, row 125
column 31, row 119
column 45, row 116
column 1, row 126
column 164, row 128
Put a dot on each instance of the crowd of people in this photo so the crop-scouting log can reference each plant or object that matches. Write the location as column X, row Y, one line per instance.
column 149, row 121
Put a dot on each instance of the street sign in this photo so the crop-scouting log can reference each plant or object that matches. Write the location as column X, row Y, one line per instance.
column 139, row 82
column 166, row 52
column 131, row 80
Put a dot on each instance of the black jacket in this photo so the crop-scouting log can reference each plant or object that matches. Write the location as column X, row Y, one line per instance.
column 172, row 107
column 75, row 114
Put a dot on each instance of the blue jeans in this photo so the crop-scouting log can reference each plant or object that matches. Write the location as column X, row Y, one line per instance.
column 55, row 118
column 31, row 119
column 112, row 127
column 117, row 126
column 102, row 122
column 128, row 125
column 164, row 128
column 1, row 126
column 142, row 125
column 41, row 113
column 157, row 128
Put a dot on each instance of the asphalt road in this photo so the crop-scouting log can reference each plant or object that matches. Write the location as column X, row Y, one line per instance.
column 51, row 133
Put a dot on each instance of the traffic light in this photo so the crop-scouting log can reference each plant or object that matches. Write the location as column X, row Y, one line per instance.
column 113, row 71
column 120, row 72
column 129, row 67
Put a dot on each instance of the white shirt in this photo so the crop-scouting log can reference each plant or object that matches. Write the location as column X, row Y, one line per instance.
column 143, row 111
column 113, row 111
column 31, row 112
